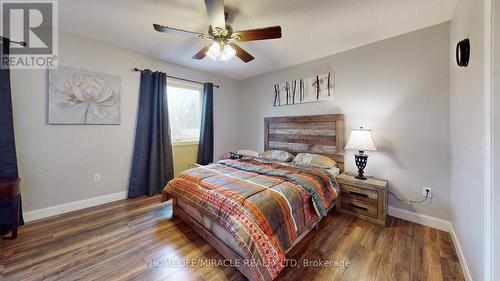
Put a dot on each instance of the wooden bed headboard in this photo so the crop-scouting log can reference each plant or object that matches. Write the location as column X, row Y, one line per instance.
column 318, row 134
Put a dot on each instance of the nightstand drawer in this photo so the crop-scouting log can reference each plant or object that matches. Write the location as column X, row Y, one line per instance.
column 362, row 194
column 359, row 207
column 365, row 199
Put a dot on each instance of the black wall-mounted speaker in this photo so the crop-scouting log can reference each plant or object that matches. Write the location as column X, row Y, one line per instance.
column 463, row 53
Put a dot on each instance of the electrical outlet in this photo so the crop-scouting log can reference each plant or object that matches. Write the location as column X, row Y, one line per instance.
column 97, row 177
column 424, row 191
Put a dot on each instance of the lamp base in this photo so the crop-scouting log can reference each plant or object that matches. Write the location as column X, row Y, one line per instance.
column 361, row 159
column 360, row 177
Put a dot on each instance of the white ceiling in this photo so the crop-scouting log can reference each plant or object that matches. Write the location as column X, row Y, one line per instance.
column 311, row 29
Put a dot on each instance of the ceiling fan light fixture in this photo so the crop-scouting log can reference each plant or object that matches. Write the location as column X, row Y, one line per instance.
column 224, row 39
column 227, row 52
column 214, row 51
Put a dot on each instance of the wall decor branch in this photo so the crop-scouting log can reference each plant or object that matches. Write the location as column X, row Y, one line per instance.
column 304, row 90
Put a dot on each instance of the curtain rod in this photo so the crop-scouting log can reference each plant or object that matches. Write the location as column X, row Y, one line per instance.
column 22, row 43
column 178, row 78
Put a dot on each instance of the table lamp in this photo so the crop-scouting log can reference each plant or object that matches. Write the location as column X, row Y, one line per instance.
column 361, row 140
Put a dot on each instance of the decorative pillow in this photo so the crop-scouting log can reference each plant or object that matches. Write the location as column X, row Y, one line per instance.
column 333, row 172
column 314, row 160
column 277, row 155
column 248, row 152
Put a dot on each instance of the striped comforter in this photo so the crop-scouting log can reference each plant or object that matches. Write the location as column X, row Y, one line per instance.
column 265, row 206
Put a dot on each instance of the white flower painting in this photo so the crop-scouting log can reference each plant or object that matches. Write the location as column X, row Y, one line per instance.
column 83, row 97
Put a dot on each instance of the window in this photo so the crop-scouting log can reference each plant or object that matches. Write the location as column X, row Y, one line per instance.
column 184, row 110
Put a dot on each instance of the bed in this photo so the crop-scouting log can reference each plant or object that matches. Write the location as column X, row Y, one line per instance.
column 254, row 211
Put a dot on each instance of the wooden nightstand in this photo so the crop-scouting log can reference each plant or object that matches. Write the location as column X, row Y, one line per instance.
column 366, row 199
column 9, row 189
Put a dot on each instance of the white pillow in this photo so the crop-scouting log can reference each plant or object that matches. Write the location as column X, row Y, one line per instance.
column 333, row 172
column 248, row 152
column 315, row 160
column 277, row 155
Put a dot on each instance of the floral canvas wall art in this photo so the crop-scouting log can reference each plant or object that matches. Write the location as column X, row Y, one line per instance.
column 305, row 90
column 83, row 97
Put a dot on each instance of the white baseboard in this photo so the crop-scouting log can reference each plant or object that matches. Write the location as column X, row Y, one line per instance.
column 440, row 224
column 461, row 256
column 73, row 206
column 433, row 222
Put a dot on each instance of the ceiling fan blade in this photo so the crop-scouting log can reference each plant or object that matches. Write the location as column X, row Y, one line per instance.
column 166, row 29
column 242, row 54
column 202, row 53
column 215, row 10
column 259, row 33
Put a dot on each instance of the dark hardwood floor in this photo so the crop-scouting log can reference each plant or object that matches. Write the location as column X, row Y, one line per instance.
column 118, row 241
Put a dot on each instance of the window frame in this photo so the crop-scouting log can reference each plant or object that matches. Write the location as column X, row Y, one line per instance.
column 176, row 83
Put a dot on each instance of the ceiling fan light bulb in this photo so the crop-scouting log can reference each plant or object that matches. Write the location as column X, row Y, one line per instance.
column 214, row 51
column 227, row 52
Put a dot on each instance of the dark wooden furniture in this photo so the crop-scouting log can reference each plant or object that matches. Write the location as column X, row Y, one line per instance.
column 9, row 189
column 366, row 199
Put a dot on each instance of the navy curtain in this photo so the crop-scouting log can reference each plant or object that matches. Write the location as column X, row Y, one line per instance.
column 206, row 148
column 8, row 159
column 152, row 163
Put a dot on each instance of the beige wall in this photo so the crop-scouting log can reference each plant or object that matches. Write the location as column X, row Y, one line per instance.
column 185, row 153
column 399, row 88
column 467, row 132
column 56, row 162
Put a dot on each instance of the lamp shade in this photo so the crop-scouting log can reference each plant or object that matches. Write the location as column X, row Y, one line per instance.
column 361, row 139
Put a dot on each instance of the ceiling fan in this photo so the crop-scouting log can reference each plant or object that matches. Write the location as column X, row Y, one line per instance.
column 223, row 46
